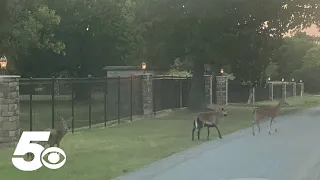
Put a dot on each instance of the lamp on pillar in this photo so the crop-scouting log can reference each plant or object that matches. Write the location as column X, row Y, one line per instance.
column 269, row 79
column 292, row 79
column 221, row 71
column 300, row 81
column 3, row 64
column 144, row 67
column 282, row 79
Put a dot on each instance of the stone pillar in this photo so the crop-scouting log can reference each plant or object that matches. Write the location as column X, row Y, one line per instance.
column 222, row 90
column 301, row 89
column 294, row 89
column 9, row 111
column 284, row 90
column 271, row 91
column 208, row 89
column 147, row 97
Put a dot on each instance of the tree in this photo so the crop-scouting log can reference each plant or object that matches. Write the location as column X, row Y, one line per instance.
column 207, row 31
column 96, row 34
column 289, row 57
column 26, row 26
column 308, row 72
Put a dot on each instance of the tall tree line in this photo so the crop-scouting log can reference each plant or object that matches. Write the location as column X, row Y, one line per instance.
column 44, row 37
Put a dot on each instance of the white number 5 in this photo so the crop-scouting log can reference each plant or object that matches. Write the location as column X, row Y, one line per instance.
column 25, row 146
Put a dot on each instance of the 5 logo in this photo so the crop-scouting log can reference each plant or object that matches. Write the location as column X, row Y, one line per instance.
column 25, row 146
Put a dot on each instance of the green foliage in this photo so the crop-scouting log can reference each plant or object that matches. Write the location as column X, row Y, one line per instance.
column 312, row 58
column 308, row 72
column 28, row 26
column 272, row 70
column 289, row 57
column 82, row 36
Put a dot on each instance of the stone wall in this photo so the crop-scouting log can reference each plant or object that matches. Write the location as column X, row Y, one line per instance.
column 222, row 90
column 9, row 111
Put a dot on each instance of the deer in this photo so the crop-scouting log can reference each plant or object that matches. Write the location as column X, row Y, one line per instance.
column 208, row 119
column 267, row 112
column 56, row 134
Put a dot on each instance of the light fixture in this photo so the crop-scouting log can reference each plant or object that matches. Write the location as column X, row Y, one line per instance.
column 269, row 79
column 300, row 81
column 143, row 66
column 221, row 71
column 282, row 79
column 3, row 62
column 292, row 79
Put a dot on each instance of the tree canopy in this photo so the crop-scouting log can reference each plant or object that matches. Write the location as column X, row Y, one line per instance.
column 42, row 37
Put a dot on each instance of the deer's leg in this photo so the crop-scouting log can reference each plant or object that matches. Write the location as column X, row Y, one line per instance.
column 208, row 133
column 199, row 130
column 253, row 122
column 218, row 132
column 271, row 119
column 194, row 128
column 258, row 126
column 276, row 129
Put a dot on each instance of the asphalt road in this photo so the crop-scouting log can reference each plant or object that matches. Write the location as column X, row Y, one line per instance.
column 293, row 153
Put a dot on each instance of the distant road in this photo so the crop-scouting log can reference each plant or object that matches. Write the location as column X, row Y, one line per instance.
column 291, row 154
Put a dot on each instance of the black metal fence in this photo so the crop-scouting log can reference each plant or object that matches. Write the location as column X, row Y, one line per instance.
column 99, row 100
column 94, row 100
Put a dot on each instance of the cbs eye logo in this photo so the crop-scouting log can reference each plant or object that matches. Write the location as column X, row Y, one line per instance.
column 25, row 146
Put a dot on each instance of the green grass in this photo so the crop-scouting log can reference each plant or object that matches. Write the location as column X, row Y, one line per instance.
column 107, row 153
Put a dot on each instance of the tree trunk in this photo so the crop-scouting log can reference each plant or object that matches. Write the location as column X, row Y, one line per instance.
column 250, row 87
column 197, row 94
column 250, row 96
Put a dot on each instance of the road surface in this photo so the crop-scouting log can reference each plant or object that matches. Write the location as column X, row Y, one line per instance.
column 291, row 154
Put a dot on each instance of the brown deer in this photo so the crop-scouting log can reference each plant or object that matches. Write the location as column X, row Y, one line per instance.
column 56, row 134
column 208, row 119
column 267, row 112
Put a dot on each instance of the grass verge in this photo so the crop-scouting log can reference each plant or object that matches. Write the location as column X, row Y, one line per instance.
column 107, row 153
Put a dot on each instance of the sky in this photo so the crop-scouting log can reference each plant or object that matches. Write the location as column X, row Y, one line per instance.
column 312, row 31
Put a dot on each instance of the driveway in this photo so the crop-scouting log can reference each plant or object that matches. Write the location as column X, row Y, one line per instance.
column 291, row 154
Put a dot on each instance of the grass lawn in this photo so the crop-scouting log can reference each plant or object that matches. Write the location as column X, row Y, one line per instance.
column 107, row 153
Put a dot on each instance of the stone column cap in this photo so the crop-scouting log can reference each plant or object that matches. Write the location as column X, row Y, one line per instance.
column 9, row 76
